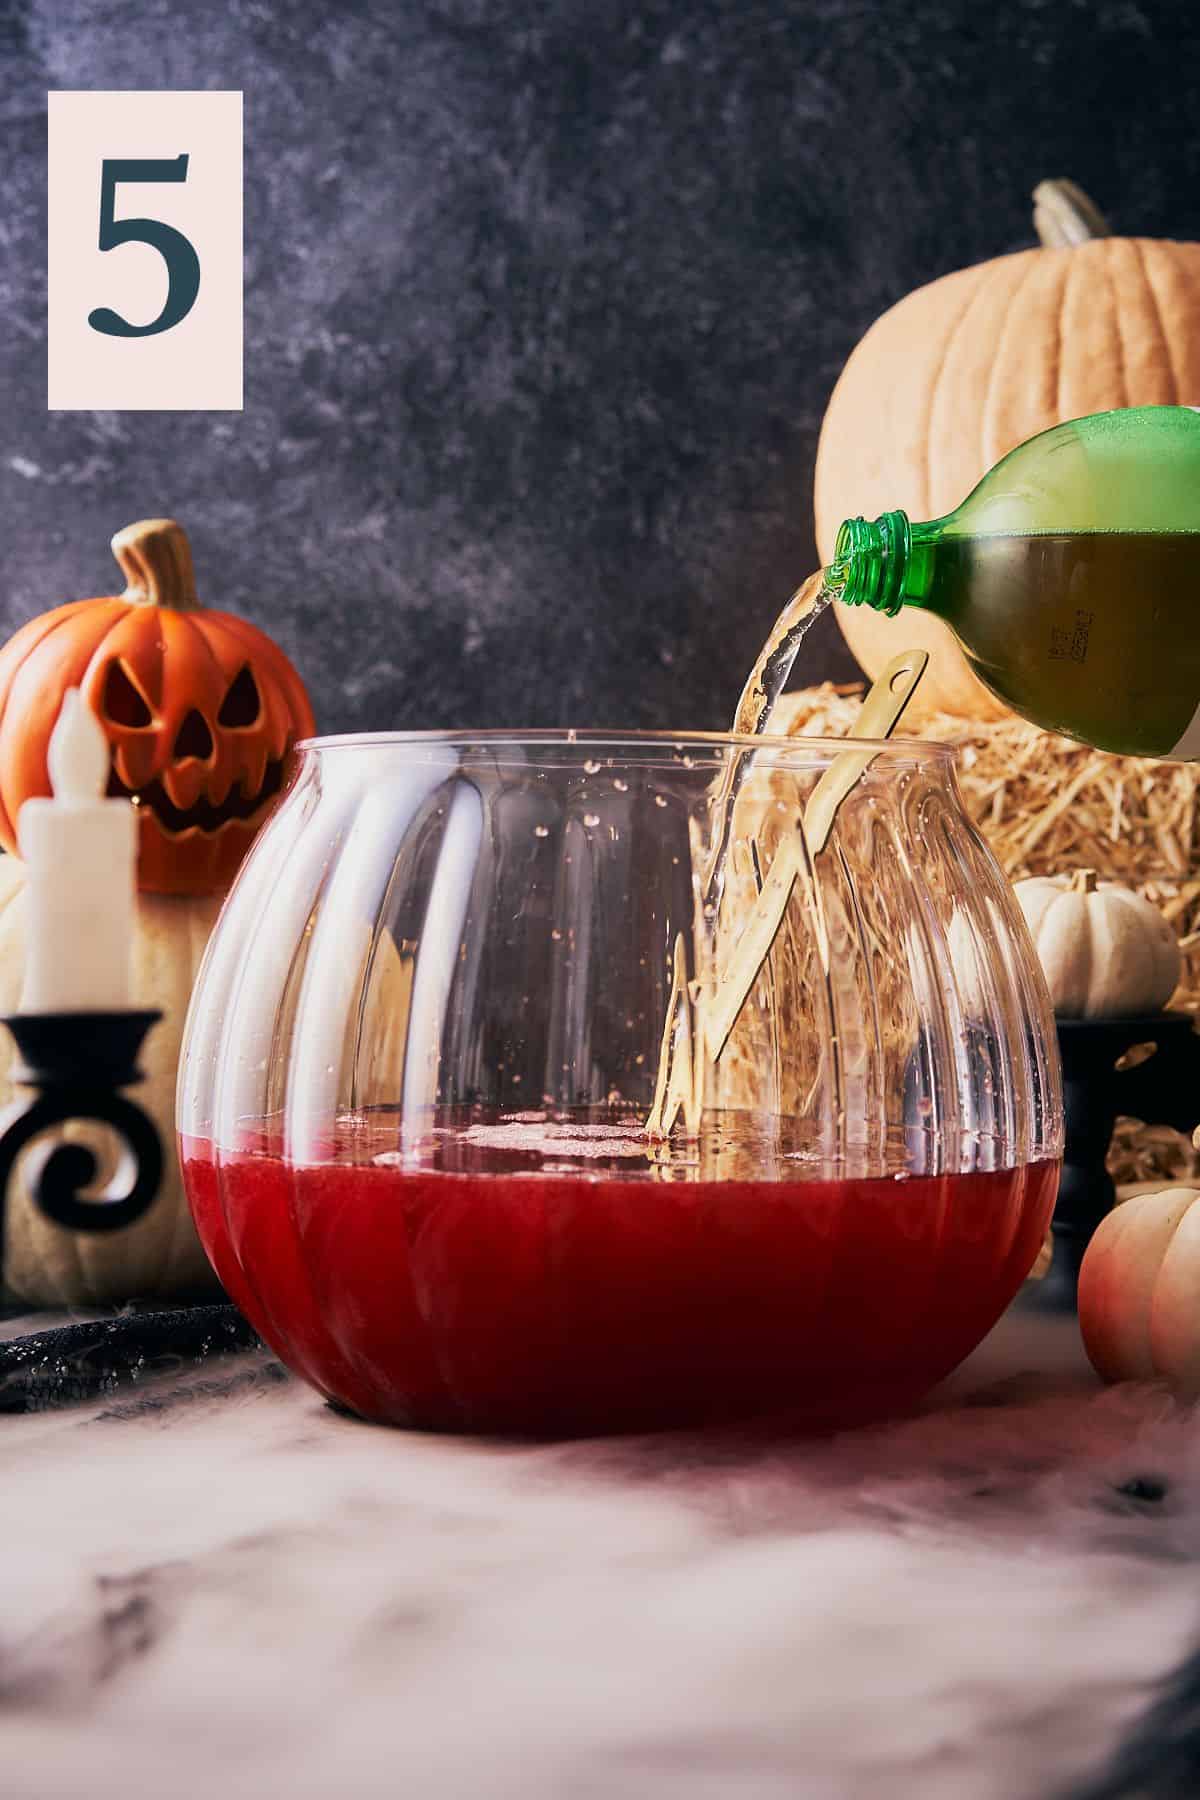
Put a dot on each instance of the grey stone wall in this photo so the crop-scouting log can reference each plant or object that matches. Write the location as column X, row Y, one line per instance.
column 544, row 303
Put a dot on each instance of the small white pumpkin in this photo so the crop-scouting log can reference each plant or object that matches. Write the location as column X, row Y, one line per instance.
column 1139, row 1290
column 159, row 1257
column 1107, row 953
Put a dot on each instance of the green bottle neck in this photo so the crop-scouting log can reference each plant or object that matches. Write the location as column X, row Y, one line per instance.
column 886, row 562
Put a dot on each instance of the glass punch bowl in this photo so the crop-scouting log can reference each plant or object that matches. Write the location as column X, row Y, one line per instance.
column 427, row 1037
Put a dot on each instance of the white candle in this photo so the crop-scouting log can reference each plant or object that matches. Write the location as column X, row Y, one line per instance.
column 80, row 855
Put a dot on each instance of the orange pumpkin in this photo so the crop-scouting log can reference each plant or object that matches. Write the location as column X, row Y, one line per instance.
column 1139, row 1290
column 961, row 371
column 201, row 709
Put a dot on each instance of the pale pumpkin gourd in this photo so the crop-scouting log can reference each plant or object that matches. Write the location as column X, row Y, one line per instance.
column 959, row 372
column 1139, row 1291
column 159, row 1257
column 1106, row 952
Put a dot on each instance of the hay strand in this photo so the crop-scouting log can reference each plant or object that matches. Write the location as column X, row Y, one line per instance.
column 1048, row 806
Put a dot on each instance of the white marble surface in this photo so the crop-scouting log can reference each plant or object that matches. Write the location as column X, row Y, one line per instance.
column 216, row 1586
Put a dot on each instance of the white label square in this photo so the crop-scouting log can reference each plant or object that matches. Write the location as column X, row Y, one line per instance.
column 153, row 323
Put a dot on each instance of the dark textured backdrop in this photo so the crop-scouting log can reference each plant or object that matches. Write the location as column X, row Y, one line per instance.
column 543, row 305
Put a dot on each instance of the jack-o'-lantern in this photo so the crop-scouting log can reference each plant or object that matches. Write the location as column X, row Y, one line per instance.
column 201, row 709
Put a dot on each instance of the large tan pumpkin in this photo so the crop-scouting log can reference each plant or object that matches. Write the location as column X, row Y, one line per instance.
column 160, row 1256
column 959, row 372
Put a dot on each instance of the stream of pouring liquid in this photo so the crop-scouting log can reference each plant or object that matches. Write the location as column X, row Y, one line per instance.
column 756, row 708
column 769, row 676
column 686, row 1050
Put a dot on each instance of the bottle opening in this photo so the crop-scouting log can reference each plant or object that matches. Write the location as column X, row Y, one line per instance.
column 869, row 562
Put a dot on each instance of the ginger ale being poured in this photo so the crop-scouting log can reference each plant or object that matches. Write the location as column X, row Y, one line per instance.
column 1070, row 577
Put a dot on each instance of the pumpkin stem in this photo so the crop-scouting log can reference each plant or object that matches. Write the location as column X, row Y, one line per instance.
column 1064, row 215
column 1083, row 882
column 156, row 561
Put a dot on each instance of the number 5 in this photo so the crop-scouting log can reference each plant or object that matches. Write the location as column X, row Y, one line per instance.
column 183, row 265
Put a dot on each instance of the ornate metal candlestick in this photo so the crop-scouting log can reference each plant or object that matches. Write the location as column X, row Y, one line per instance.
column 76, row 1063
column 1164, row 1089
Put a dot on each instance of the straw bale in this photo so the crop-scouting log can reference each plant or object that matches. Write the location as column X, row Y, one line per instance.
column 1047, row 805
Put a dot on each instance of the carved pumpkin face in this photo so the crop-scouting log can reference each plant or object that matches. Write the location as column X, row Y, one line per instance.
column 201, row 709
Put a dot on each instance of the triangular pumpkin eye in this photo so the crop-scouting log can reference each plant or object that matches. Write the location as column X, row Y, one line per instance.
column 241, row 705
column 122, row 703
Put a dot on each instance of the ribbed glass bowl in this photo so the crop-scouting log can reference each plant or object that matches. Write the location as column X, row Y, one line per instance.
column 426, row 1037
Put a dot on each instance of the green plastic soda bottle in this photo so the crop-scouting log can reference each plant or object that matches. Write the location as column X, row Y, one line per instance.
column 1070, row 577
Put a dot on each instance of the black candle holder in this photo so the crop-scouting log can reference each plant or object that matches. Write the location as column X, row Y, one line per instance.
column 1162, row 1089
column 76, row 1063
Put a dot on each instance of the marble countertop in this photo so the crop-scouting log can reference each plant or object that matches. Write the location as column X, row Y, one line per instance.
column 214, row 1585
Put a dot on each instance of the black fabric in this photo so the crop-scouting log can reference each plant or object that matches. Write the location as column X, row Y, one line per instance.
column 65, row 1364
column 1159, row 1759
